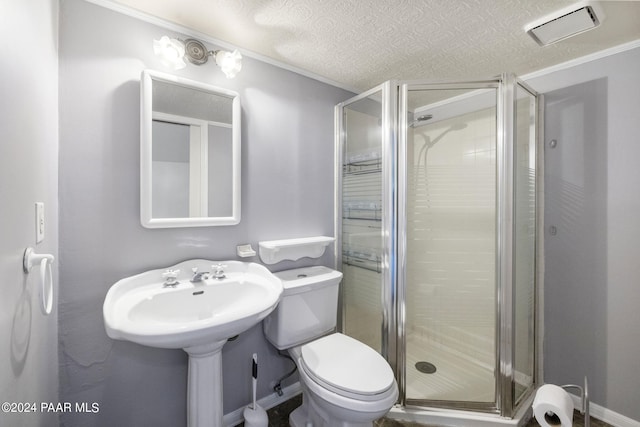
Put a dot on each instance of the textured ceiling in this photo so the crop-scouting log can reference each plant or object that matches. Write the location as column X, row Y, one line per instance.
column 360, row 43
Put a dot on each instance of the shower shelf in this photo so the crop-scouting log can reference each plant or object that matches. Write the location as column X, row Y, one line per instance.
column 362, row 263
column 362, row 260
column 362, row 167
column 362, row 218
column 362, row 213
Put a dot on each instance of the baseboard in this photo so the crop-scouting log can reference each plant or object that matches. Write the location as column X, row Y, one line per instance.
column 267, row 402
column 604, row 414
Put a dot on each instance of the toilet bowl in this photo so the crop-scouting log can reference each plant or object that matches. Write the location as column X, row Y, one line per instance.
column 345, row 383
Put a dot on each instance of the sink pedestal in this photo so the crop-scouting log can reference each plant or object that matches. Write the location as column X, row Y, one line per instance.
column 204, row 385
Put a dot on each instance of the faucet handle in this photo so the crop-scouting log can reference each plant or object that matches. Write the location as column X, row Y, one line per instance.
column 171, row 277
column 218, row 270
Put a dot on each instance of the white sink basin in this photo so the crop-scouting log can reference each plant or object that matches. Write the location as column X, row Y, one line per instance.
column 142, row 310
column 197, row 317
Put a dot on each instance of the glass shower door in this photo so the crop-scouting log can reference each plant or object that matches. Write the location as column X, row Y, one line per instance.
column 365, row 179
column 450, row 214
column 525, row 237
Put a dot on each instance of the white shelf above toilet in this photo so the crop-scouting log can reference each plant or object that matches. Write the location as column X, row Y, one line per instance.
column 274, row 251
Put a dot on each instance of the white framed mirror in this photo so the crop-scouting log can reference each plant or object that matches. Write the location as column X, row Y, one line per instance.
column 189, row 153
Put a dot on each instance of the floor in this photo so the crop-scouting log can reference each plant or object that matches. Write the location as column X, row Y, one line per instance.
column 457, row 373
column 279, row 417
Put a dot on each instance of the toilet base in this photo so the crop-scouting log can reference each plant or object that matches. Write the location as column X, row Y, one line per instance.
column 298, row 418
column 309, row 414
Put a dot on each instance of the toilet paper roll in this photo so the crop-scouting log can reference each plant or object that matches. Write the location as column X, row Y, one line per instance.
column 553, row 406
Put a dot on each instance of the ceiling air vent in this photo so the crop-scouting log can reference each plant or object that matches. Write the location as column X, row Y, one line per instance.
column 566, row 23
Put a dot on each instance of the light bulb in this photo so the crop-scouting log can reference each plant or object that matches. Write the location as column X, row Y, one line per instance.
column 170, row 51
column 229, row 62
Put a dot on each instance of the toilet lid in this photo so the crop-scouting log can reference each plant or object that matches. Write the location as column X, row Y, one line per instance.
column 347, row 364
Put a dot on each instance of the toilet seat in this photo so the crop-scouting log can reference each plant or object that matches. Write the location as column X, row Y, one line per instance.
column 347, row 367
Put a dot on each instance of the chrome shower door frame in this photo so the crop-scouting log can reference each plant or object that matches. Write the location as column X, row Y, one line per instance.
column 504, row 339
column 388, row 95
column 536, row 130
column 393, row 266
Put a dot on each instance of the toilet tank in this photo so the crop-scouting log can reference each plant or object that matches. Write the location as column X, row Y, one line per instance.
column 308, row 307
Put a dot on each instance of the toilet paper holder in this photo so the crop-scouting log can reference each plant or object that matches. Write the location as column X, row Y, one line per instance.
column 584, row 396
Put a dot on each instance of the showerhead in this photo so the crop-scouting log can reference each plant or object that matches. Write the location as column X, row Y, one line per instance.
column 428, row 143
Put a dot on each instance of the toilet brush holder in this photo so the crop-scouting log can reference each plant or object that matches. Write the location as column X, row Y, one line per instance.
column 255, row 417
column 254, row 414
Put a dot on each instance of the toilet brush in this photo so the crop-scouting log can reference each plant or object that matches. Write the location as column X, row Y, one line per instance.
column 255, row 415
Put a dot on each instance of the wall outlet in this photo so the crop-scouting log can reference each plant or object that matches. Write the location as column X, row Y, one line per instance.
column 39, row 222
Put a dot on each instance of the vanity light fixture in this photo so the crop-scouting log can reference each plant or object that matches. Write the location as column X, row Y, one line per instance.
column 173, row 52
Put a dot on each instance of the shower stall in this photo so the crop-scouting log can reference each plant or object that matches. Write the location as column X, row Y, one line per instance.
column 437, row 223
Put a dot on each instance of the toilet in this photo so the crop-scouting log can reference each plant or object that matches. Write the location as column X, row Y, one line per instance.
column 345, row 383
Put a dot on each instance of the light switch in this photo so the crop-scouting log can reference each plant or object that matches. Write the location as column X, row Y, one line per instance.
column 39, row 222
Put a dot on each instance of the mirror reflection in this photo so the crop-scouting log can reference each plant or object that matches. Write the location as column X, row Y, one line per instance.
column 190, row 153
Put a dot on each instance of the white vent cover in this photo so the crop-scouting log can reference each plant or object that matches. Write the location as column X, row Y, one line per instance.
column 566, row 23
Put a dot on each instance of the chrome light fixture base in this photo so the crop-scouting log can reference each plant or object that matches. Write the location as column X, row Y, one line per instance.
column 196, row 52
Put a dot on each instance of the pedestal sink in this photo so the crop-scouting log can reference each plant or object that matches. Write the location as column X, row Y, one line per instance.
column 163, row 308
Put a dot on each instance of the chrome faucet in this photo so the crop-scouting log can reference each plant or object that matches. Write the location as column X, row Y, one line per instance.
column 219, row 271
column 198, row 276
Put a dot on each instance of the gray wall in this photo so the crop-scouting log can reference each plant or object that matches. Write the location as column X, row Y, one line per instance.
column 28, row 174
column 592, row 280
column 287, row 191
